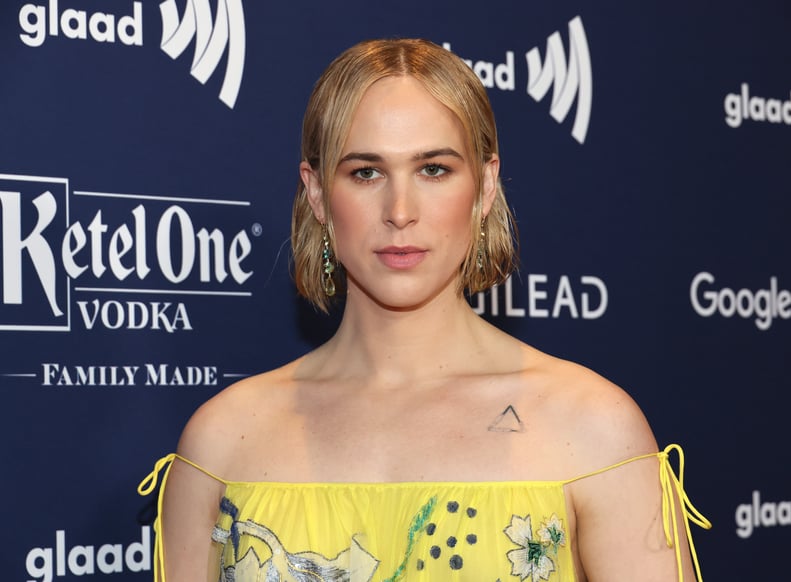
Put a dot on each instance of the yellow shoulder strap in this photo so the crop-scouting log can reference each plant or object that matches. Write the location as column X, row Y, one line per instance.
column 148, row 484
column 146, row 487
column 672, row 488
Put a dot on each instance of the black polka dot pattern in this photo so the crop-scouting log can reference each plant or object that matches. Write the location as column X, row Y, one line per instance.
column 456, row 521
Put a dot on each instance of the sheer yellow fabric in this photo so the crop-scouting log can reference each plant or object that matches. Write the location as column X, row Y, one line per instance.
column 387, row 532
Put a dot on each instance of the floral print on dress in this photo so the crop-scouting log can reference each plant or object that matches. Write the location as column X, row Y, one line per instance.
column 354, row 564
column 534, row 557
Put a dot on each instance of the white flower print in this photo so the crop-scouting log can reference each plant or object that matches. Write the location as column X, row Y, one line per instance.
column 552, row 533
column 531, row 559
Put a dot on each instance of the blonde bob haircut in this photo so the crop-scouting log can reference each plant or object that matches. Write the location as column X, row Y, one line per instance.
column 328, row 117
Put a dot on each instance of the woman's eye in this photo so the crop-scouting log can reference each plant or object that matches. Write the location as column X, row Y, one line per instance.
column 366, row 173
column 434, row 170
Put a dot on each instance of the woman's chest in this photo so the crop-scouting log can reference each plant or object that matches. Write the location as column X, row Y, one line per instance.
column 435, row 531
column 439, row 435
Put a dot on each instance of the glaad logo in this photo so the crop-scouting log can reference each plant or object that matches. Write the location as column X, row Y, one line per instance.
column 210, row 41
column 77, row 24
column 587, row 299
column 740, row 107
column 569, row 81
column 38, row 22
column 42, row 565
column 576, row 80
column 43, row 253
column 767, row 514
column 766, row 304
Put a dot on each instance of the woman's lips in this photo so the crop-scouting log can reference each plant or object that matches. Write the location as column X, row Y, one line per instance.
column 401, row 257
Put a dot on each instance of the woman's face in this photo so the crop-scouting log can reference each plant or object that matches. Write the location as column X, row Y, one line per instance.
column 403, row 196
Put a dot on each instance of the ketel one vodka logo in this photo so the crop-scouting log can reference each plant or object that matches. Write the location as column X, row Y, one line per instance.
column 123, row 260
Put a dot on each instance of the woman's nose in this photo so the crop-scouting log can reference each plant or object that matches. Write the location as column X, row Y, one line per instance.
column 401, row 207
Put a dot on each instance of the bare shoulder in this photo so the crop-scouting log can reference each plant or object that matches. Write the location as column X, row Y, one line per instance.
column 602, row 422
column 606, row 427
column 223, row 423
column 213, row 439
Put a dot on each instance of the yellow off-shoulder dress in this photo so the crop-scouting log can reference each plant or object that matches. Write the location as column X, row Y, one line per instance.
column 388, row 532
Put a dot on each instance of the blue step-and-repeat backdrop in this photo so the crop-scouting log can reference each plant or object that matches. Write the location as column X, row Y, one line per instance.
column 148, row 160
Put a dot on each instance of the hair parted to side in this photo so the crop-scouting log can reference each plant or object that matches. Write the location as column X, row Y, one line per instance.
column 325, row 127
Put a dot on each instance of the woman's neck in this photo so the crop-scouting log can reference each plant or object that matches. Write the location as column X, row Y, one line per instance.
column 393, row 347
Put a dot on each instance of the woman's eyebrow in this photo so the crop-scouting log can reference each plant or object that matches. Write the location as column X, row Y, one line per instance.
column 361, row 156
column 376, row 158
column 437, row 153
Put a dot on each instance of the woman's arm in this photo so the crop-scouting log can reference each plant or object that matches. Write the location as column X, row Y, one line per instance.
column 620, row 523
column 190, row 507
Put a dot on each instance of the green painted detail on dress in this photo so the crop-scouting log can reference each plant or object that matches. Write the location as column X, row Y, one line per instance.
column 415, row 529
column 556, row 536
column 535, row 551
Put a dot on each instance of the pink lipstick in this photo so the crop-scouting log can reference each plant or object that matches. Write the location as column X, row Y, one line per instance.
column 400, row 258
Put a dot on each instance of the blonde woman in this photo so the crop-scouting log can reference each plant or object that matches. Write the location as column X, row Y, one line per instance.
column 420, row 442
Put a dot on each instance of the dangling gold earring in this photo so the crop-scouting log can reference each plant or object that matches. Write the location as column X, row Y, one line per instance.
column 481, row 246
column 327, row 267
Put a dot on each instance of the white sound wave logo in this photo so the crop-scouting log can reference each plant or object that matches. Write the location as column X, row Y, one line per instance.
column 571, row 81
column 210, row 41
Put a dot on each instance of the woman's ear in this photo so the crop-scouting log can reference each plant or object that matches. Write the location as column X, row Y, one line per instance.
column 490, row 179
column 314, row 191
